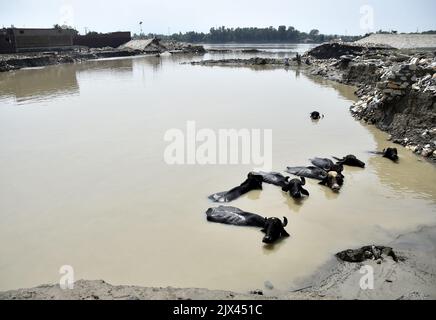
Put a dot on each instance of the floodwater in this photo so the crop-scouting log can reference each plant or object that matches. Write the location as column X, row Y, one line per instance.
column 83, row 181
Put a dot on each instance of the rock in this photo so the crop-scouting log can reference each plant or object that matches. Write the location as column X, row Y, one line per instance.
column 257, row 292
column 269, row 285
column 427, row 152
column 393, row 85
column 366, row 253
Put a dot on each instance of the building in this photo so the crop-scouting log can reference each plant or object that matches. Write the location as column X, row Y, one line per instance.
column 16, row 40
column 100, row 40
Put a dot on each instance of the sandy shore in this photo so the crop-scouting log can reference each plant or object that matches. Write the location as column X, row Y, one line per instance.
column 101, row 290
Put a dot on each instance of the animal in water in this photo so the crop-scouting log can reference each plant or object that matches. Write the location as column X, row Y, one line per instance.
column 350, row 160
column 274, row 178
column 332, row 179
column 273, row 228
column 295, row 188
column 253, row 182
column 327, row 164
column 315, row 115
column 389, row 153
column 366, row 253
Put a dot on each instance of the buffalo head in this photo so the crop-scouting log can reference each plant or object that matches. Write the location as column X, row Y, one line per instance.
column 295, row 188
column 274, row 230
column 391, row 153
column 315, row 115
column 333, row 180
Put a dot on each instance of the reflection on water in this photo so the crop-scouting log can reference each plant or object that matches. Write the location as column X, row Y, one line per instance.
column 39, row 83
column 83, row 181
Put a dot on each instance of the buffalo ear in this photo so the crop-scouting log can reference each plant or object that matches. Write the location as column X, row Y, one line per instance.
column 323, row 182
column 303, row 181
column 263, row 230
column 285, row 188
column 305, row 192
column 284, row 233
column 285, row 221
column 287, row 178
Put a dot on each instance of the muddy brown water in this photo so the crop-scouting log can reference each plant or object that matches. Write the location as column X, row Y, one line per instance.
column 83, row 181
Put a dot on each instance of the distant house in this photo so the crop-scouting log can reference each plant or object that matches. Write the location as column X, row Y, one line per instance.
column 100, row 40
column 15, row 40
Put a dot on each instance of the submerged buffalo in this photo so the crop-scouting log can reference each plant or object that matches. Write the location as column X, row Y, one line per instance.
column 366, row 253
column 389, row 153
column 350, row 160
column 295, row 188
column 327, row 164
column 272, row 227
column 274, row 178
column 315, row 115
column 253, row 182
column 332, row 179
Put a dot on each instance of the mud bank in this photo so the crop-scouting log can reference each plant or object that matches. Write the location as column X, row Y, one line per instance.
column 9, row 62
column 101, row 290
column 18, row 61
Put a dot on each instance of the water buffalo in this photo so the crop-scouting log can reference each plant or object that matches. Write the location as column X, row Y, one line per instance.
column 295, row 188
column 274, row 178
column 315, row 115
column 350, row 160
column 366, row 253
column 327, row 164
column 389, row 153
column 272, row 227
column 332, row 179
column 253, row 182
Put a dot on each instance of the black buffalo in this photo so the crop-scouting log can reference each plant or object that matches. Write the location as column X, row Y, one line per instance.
column 274, row 178
column 315, row 115
column 350, row 160
column 389, row 153
column 332, row 179
column 295, row 188
column 253, row 182
column 327, row 164
column 272, row 227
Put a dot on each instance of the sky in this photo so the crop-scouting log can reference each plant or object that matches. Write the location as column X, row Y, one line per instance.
column 345, row 17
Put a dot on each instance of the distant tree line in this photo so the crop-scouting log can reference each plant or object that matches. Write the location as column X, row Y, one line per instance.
column 253, row 34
